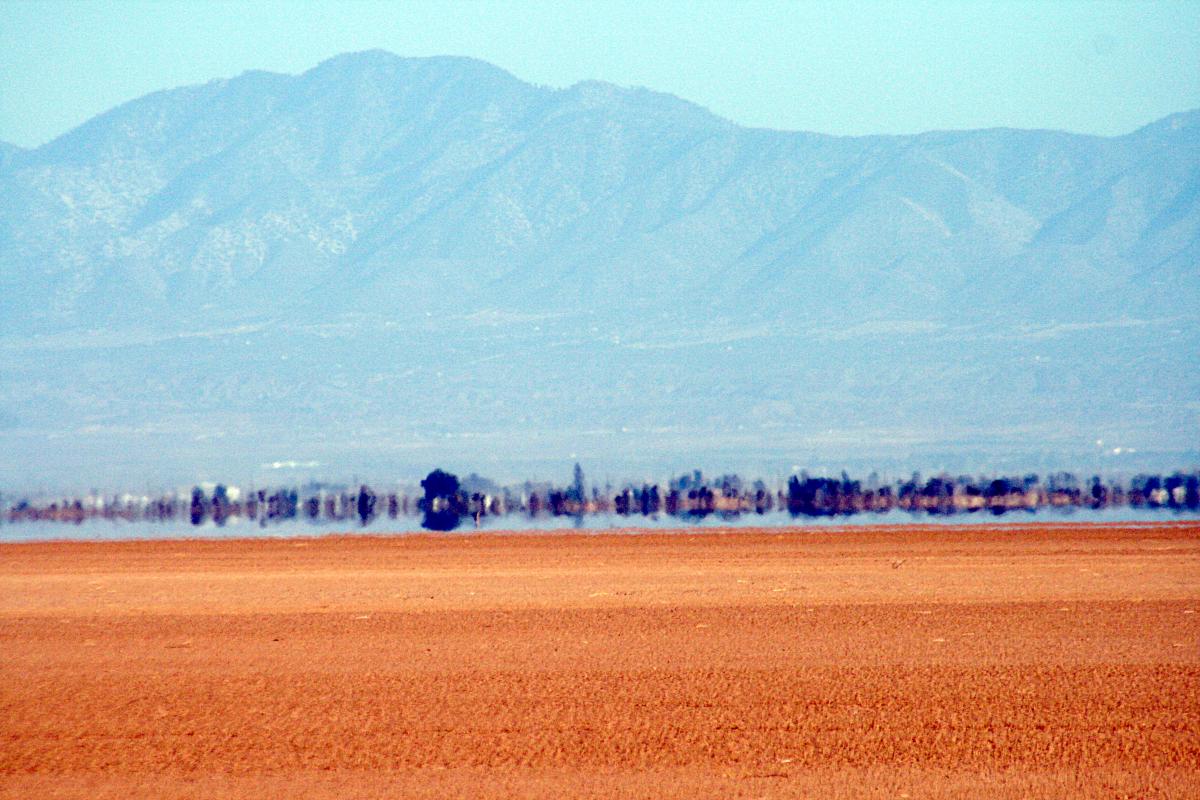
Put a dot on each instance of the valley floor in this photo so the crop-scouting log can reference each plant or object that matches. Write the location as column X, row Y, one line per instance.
column 1004, row 661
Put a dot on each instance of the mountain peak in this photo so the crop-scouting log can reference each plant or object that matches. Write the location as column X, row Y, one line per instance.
column 384, row 61
column 1183, row 120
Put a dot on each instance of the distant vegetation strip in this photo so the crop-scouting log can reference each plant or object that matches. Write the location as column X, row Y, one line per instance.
column 444, row 502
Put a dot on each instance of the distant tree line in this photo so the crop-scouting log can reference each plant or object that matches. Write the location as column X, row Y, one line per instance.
column 445, row 501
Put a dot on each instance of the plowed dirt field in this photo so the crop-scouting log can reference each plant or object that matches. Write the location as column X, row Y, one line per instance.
column 1043, row 661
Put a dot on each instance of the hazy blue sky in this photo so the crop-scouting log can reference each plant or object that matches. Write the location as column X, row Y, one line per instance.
column 842, row 68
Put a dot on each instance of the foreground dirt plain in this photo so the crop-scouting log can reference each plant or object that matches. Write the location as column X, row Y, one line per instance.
column 1007, row 661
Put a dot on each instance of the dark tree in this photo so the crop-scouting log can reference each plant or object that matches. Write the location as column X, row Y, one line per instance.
column 220, row 504
column 577, row 492
column 366, row 505
column 623, row 501
column 199, row 509
column 312, row 508
column 441, row 504
column 439, row 485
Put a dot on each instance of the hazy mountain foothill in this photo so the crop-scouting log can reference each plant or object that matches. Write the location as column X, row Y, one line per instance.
column 387, row 263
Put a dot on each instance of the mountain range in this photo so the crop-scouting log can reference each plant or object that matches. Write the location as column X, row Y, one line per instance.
column 387, row 261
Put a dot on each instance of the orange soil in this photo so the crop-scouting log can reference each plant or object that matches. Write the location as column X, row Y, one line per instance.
column 1040, row 661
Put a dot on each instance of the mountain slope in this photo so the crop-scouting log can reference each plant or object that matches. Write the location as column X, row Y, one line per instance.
column 8, row 152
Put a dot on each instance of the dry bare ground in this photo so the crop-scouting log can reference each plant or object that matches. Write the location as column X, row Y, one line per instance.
column 1040, row 661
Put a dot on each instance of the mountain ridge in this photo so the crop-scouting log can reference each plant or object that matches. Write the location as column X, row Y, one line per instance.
column 455, row 162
